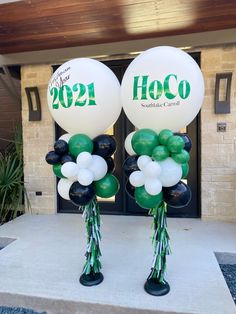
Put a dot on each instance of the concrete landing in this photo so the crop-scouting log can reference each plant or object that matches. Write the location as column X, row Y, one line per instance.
column 41, row 269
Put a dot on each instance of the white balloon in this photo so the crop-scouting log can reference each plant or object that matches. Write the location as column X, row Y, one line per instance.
column 84, row 97
column 143, row 161
column 153, row 186
column 65, row 137
column 137, row 178
column 84, row 160
column 70, row 170
column 85, row 176
column 63, row 188
column 152, row 169
column 163, row 88
column 171, row 172
column 98, row 167
column 128, row 145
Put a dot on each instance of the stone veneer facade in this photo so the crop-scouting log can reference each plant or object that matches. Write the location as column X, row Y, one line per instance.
column 38, row 139
column 218, row 150
column 218, row 157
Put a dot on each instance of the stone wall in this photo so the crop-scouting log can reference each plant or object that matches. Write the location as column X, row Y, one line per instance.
column 218, row 149
column 38, row 138
column 218, row 157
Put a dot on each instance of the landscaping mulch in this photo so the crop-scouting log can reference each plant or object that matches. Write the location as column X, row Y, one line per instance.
column 17, row 310
column 229, row 272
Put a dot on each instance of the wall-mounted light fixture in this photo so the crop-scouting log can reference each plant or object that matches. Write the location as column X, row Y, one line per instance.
column 222, row 92
column 33, row 103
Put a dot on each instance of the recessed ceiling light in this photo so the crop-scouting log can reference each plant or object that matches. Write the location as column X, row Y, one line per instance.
column 185, row 48
column 135, row 52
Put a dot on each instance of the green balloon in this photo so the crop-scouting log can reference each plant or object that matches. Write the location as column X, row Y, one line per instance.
column 145, row 200
column 160, row 153
column 175, row 144
column 144, row 141
column 79, row 143
column 181, row 157
column 107, row 187
column 57, row 170
column 164, row 135
column 185, row 170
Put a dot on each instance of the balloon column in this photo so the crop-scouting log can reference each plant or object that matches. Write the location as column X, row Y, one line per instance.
column 154, row 180
column 79, row 93
column 162, row 91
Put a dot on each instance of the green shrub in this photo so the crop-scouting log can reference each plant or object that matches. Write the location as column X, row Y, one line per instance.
column 12, row 189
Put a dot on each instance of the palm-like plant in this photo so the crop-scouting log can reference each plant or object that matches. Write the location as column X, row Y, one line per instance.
column 12, row 189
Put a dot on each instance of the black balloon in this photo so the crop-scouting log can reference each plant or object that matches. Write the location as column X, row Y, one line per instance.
column 130, row 189
column 110, row 164
column 104, row 145
column 52, row 158
column 187, row 141
column 61, row 147
column 130, row 165
column 178, row 195
column 81, row 195
column 66, row 158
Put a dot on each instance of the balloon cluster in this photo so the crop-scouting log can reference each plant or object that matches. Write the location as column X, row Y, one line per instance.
column 84, row 167
column 156, row 167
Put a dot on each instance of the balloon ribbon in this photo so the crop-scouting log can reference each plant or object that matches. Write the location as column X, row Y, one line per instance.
column 160, row 241
column 91, row 213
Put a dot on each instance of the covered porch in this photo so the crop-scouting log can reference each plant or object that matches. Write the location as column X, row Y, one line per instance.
column 41, row 268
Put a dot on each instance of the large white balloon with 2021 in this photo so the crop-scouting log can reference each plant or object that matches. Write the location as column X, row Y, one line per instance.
column 84, row 97
column 163, row 88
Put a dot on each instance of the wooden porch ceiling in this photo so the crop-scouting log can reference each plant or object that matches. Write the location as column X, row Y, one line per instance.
column 31, row 25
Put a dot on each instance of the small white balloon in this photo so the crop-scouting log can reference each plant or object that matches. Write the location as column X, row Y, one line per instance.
column 84, row 160
column 137, row 178
column 66, row 137
column 98, row 167
column 63, row 188
column 128, row 145
column 70, row 170
column 171, row 172
column 143, row 161
column 85, row 176
column 153, row 186
column 152, row 169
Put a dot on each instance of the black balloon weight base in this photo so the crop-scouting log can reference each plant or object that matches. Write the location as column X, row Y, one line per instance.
column 154, row 287
column 91, row 279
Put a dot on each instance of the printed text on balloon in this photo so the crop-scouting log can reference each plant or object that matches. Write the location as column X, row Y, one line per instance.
column 156, row 88
column 64, row 95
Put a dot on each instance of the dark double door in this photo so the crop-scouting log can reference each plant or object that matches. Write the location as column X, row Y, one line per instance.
column 122, row 204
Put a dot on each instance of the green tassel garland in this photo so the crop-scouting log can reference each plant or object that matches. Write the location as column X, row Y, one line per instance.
column 91, row 213
column 160, row 241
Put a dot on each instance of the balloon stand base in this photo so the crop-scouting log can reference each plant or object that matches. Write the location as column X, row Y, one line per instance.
column 154, row 287
column 91, row 279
